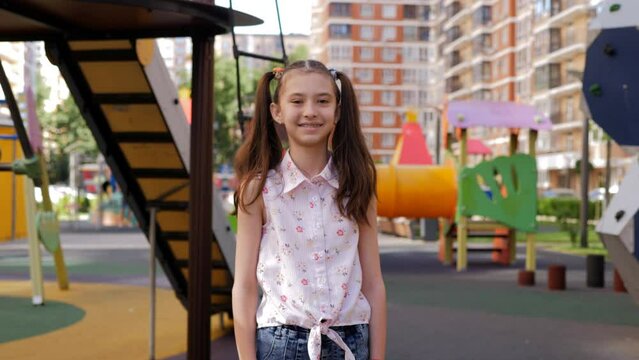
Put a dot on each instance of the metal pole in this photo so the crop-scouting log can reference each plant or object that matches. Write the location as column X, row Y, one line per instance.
column 152, row 281
column 13, row 195
column 200, row 206
column 27, row 151
column 438, row 132
column 585, row 161
column 607, row 179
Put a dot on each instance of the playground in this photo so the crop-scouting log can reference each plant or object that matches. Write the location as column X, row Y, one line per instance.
column 163, row 287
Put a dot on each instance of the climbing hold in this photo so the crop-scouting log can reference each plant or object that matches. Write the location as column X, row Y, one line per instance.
column 460, row 117
column 595, row 89
column 619, row 215
column 609, row 50
column 615, row 7
column 538, row 119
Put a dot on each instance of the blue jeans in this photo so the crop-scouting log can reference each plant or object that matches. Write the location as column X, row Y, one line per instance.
column 290, row 342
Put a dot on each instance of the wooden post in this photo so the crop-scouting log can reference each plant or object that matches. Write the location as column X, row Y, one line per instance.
column 200, row 209
column 531, row 252
column 462, row 226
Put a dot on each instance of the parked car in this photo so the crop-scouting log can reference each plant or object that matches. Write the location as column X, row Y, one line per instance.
column 552, row 193
column 599, row 193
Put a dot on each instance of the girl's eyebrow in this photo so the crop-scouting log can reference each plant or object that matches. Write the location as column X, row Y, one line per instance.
column 320, row 94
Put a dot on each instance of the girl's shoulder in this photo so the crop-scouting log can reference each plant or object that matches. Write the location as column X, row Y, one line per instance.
column 274, row 184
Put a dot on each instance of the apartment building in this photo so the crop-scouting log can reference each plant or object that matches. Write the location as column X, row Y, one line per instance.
column 389, row 50
column 533, row 52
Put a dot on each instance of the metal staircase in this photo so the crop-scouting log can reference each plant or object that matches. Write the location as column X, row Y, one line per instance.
column 124, row 92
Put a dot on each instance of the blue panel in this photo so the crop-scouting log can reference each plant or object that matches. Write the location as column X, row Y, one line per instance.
column 612, row 64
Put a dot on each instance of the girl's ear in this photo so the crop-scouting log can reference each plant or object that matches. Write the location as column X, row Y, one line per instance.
column 337, row 112
column 276, row 113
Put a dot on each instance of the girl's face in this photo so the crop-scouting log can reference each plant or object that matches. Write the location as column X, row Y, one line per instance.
column 307, row 108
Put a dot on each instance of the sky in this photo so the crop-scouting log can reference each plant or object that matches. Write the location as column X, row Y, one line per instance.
column 295, row 15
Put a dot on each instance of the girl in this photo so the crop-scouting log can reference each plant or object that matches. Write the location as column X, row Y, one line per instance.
column 306, row 225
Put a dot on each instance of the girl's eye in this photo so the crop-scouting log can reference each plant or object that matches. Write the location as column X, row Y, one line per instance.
column 296, row 101
column 323, row 101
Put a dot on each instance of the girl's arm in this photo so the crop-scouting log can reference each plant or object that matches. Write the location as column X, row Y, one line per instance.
column 249, row 232
column 373, row 283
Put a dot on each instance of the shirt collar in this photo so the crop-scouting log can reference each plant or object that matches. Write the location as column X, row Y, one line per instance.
column 292, row 176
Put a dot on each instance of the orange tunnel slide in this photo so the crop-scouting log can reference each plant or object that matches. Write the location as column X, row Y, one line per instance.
column 416, row 191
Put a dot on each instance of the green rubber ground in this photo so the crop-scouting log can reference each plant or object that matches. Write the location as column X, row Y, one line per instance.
column 27, row 320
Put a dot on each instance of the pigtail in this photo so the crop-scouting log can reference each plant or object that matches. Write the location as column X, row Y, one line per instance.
column 262, row 149
column 357, row 175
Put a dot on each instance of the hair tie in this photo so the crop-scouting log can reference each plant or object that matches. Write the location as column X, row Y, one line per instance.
column 333, row 73
column 278, row 72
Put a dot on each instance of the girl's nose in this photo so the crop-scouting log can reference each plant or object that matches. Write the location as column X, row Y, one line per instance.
column 309, row 110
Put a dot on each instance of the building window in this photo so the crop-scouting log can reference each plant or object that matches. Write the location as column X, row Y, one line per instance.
column 388, row 119
column 339, row 31
column 340, row 52
column 410, row 11
column 388, row 76
column 366, row 54
column 389, row 54
column 410, row 54
column 366, row 32
column 424, row 33
column 364, row 75
column 424, row 76
column 389, row 33
column 340, row 9
column 409, row 76
column 366, row 118
column 389, row 11
column 388, row 140
column 423, row 54
column 424, row 12
column 366, row 10
column 369, row 139
column 570, row 114
column 423, row 98
column 409, row 98
column 365, row 97
column 388, row 98
column 410, row 33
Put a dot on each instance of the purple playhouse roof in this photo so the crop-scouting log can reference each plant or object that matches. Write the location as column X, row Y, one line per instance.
column 475, row 113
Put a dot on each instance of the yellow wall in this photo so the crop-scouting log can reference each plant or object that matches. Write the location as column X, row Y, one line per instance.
column 7, row 217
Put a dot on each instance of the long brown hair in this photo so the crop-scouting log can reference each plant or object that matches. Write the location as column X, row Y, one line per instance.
column 262, row 150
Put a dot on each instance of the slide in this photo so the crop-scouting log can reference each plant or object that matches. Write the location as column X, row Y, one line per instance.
column 411, row 186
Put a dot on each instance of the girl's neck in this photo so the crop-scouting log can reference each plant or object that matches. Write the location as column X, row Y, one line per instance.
column 311, row 162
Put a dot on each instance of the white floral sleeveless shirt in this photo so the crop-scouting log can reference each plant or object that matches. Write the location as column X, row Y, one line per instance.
column 308, row 266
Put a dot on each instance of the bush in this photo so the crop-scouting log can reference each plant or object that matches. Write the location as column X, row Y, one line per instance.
column 566, row 210
column 566, row 207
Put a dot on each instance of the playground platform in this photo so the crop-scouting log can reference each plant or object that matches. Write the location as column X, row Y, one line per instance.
column 434, row 312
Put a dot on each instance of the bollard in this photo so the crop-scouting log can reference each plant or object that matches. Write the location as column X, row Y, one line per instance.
column 556, row 277
column 526, row 278
column 595, row 271
column 618, row 283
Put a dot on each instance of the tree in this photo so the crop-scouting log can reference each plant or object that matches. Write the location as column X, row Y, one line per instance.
column 65, row 130
column 227, row 138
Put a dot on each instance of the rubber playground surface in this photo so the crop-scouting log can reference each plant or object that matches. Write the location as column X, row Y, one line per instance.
column 433, row 311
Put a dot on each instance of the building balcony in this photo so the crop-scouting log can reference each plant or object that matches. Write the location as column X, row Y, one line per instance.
column 561, row 54
column 457, row 19
column 570, row 9
column 452, row 9
column 459, row 68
